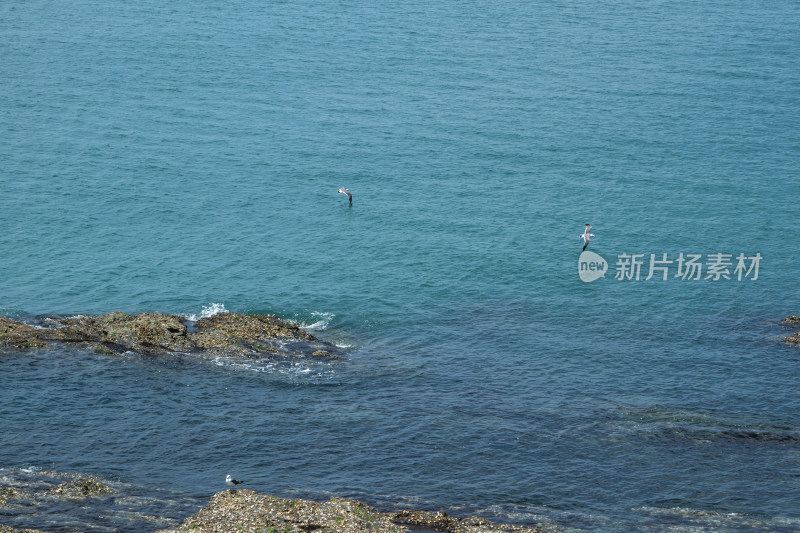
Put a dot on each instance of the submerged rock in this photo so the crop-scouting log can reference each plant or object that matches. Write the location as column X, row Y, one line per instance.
column 792, row 321
column 249, row 512
column 6, row 529
column 63, row 501
column 81, row 488
column 59, row 501
column 792, row 339
column 6, row 493
column 224, row 334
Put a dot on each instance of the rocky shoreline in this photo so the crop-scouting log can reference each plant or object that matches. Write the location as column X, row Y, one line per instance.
column 35, row 494
column 250, row 512
column 223, row 334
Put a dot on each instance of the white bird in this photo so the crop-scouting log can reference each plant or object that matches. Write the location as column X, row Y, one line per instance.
column 232, row 482
column 586, row 236
column 349, row 196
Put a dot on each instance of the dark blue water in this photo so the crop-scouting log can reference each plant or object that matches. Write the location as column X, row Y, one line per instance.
column 185, row 158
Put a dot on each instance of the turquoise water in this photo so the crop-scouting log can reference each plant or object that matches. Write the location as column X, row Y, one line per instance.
column 185, row 158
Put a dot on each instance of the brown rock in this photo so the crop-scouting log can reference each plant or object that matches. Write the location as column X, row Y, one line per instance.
column 18, row 335
column 81, row 488
column 792, row 320
column 236, row 334
column 249, row 512
column 227, row 334
column 145, row 332
column 792, row 339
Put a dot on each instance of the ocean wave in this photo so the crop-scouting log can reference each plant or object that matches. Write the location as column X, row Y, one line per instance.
column 271, row 366
column 207, row 311
column 321, row 321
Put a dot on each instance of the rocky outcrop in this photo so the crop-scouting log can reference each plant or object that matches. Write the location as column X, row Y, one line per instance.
column 794, row 322
column 792, row 339
column 440, row 521
column 61, row 501
column 150, row 333
column 236, row 334
column 18, row 335
column 249, row 512
column 49, row 500
column 224, row 334
column 81, row 488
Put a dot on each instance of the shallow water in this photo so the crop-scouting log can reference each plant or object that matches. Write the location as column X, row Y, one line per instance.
column 185, row 159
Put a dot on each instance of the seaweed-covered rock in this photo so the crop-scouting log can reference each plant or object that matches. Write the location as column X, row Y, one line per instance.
column 224, row 334
column 72, row 501
column 145, row 332
column 81, row 488
column 792, row 339
column 18, row 335
column 248, row 512
column 6, row 493
column 236, row 334
column 792, row 320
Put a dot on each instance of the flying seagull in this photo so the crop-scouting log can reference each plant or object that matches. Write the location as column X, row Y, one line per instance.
column 349, row 196
column 586, row 236
column 232, row 482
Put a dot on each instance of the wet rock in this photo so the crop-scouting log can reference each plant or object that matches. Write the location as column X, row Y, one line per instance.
column 77, row 499
column 792, row 339
column 440, row 521
column 236, row 334
column 150, row 333
column 249, row 512
column 6, row 529
column 81, row 488
column 7, row 493
column 224, row 334
column 63, row 501
column 18, row 335
column 792, row 320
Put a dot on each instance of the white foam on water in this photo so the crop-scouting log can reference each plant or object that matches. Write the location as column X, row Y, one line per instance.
column 208, row 311
column 274, row 367
column 321, row 321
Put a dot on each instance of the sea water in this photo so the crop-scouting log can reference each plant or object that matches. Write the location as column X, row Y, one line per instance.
column 185, row 158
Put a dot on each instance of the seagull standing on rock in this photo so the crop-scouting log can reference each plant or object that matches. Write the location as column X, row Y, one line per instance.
column 586, row 235
column 232, row 482
column 349, row 196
